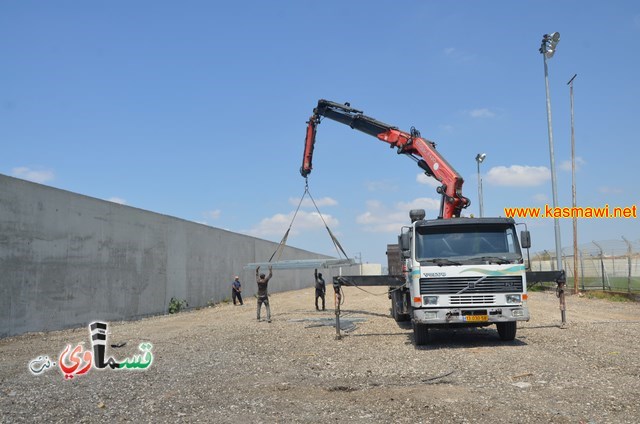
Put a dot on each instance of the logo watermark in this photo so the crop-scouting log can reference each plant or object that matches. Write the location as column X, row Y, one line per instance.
column 573, row 212
column 77, row 361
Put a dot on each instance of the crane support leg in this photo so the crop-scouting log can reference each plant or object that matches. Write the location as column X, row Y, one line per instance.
column 338, row 300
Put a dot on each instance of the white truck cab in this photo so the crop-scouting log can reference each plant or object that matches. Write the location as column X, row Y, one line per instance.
column 461, row 272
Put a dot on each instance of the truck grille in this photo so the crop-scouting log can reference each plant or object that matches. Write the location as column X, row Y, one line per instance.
column 470, row 285
column 471, row 300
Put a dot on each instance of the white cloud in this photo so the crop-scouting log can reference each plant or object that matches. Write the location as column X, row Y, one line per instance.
column 430, row 181
column 380, row 218
column 213, row 214
column 566, row 164
column 118, row 200
column 518, row 175
column 420, row 203
column 307, row 203
column 277, row 224
column 35, row 175
column 481, row 113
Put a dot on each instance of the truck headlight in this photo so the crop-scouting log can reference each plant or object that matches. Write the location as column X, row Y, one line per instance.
column 514, row 298
column 430, row 300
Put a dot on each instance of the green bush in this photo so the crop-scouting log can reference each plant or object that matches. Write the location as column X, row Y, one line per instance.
column 176, row 305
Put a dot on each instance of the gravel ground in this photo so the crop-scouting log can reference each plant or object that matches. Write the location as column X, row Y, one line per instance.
column 220, row 365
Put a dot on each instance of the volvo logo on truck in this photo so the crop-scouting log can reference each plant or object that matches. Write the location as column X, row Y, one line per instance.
column 435, row 274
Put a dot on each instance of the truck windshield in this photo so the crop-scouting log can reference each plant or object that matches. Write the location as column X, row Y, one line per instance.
column 484, row 244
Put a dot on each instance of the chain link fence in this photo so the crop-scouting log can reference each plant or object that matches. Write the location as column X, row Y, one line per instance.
column 609, row 265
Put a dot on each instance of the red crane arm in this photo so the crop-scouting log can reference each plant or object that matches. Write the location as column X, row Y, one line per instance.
column 411, row 144
column 309, row 143
column 435, row 166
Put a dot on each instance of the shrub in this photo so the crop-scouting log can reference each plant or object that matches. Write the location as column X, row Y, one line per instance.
column 176, row 305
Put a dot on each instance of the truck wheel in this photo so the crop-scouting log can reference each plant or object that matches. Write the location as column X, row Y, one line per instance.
column 507, row 330
column 395, row 310
column 420, row 334
column 403, row 317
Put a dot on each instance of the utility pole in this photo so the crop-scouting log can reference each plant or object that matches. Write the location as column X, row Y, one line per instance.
column 576, row 276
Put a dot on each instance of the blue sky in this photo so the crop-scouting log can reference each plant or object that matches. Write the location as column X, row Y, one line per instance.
column 197, row 109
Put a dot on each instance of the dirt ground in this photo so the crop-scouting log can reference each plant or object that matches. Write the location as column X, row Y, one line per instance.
column 220, row 364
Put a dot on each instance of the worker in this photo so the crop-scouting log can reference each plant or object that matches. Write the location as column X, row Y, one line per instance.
column 236, row 291
column 320, row 288
column 263, row 296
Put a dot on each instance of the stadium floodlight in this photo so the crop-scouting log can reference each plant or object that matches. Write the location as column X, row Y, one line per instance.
column 549, row 44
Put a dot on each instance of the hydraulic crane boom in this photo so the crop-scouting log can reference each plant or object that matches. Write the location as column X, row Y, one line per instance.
column 411, row 144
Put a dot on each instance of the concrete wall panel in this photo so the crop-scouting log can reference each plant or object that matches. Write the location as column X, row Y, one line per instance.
column 68, row 259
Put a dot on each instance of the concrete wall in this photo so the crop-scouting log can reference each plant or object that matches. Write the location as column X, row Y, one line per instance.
column 67, row 260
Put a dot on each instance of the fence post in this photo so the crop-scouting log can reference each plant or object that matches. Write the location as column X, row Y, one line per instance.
column 581, row 268
column 629, row 252
column 601, row 263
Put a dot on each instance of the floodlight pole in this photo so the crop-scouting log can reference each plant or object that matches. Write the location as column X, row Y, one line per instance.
column 556, row 224
column 480, row 157
column 548, row 47
column 576, row 275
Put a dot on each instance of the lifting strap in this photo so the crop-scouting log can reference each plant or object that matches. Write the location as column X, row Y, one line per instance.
column 283, row 242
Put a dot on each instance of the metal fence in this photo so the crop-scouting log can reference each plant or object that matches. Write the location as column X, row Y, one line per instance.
column 611, row 265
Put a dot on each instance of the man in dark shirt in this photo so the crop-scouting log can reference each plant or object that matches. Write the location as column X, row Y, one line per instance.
column 263, row 296
column 236, row 291
column 320, row 288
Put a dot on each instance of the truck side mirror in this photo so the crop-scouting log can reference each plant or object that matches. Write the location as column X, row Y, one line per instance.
column 525, row 239
column 404, row 241
column 405, row 244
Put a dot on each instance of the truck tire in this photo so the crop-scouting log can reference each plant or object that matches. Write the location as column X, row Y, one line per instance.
column 507, row 330
column 403, row 317
column 421, row 334
column 395, row 309
column 404, row 302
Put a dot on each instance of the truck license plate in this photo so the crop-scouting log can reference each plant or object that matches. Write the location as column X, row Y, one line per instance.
column 476, row 318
